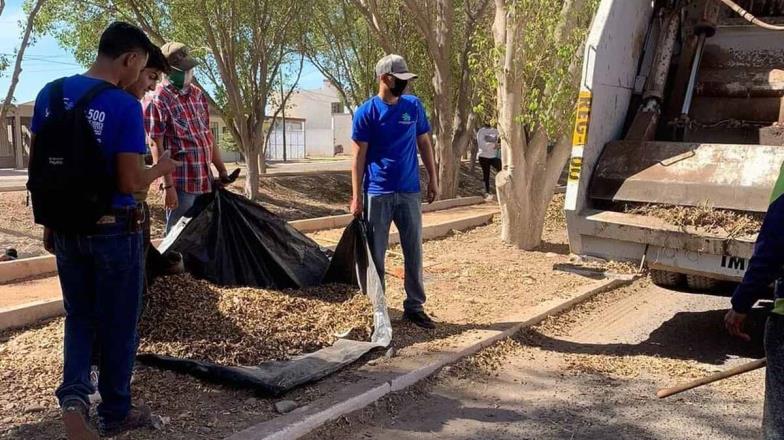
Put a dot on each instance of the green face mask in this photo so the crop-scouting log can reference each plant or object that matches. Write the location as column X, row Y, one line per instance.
column 177, row 78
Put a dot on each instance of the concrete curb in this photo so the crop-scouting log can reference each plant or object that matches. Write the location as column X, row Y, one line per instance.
column 302, row 173
column 43, row 265
column 12, row 188
column 26, row 314
column 308, row 418
column 340, row 221
column 27, row 268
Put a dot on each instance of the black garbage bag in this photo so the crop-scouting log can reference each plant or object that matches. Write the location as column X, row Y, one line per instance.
column 232, row 241
column 351, row 264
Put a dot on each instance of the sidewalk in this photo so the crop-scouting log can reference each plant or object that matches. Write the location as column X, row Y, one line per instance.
column 302, row 166
column 48, row 288
column 12, row 179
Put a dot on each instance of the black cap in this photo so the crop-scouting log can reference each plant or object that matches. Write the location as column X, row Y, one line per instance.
column 121, row 37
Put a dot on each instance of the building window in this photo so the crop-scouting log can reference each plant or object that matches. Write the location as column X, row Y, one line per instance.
column 337, row 107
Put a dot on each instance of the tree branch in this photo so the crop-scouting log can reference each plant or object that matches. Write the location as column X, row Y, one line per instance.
column 285, row 99
column 19, row 57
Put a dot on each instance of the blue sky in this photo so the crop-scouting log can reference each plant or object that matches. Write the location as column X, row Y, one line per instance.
column 45, row 60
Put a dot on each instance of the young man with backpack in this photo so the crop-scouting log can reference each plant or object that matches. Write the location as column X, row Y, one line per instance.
column 88, row 135
column 388, row 131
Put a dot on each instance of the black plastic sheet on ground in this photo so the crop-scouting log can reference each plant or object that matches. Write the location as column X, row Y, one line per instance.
column 225, row 229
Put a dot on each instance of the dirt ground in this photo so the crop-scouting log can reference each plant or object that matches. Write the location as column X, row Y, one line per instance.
column 291, row 197
column 472, row 281
column 590, row 373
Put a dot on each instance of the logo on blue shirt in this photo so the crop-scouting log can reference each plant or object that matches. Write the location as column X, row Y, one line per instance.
column 406, row 119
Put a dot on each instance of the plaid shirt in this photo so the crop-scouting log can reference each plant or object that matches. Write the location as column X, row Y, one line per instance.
column 182, row 118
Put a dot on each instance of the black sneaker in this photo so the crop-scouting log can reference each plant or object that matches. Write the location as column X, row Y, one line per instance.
column 420, row 319
column 77, row 421
column 139, row 416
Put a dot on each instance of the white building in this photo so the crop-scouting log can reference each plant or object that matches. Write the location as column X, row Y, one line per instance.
column 327, row 121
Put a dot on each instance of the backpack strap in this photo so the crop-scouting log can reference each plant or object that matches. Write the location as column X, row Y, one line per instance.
column 56, row 104
column 92, row 93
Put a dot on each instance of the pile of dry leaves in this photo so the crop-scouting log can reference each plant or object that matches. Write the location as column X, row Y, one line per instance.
column 186, row 317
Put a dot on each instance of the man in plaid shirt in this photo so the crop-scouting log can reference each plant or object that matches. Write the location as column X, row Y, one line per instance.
column 178, row 119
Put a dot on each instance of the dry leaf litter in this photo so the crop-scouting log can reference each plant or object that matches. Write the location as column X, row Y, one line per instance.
column 191, row 318
column 704, row 218
column 186, row 317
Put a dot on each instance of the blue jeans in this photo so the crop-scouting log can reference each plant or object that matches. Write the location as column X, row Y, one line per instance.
column 405, row 209
column 185, row 201
column 101, row 276
column 773, row 414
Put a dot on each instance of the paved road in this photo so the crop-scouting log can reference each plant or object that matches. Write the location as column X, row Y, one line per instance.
column 590, row 375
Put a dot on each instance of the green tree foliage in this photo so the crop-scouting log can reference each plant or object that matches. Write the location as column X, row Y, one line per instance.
column 536, row 58
column 243, row 44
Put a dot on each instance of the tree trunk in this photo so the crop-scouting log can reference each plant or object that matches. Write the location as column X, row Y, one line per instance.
column 526, row 184
column 252, row 179
column 518, row 212
column 19, row 56
column 448, row 166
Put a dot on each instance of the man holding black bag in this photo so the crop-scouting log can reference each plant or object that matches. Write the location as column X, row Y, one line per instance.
column 88, row 136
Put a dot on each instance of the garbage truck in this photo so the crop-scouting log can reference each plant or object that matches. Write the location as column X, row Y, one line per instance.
column 681, row 105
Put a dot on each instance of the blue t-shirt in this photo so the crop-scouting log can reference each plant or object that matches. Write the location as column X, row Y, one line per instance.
column 391, row 133
column 116, row 118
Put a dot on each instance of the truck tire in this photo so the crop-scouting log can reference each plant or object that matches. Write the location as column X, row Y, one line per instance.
column 697, row 282
column 666, row 278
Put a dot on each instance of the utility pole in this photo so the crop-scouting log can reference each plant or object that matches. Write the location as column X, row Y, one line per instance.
column 283, row 103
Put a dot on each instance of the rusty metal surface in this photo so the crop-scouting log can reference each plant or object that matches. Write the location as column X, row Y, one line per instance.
column 760, row 8
column 735, row 132
column 744, row 46
column 711, row 109
column 650, row 230
column 741, row 82
column 660, row 68
column 729, row 176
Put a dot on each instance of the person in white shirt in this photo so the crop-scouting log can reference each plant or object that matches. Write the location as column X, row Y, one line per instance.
column 489, row 153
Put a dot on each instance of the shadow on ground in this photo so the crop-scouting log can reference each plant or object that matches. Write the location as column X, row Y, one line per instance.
column 697, row 336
